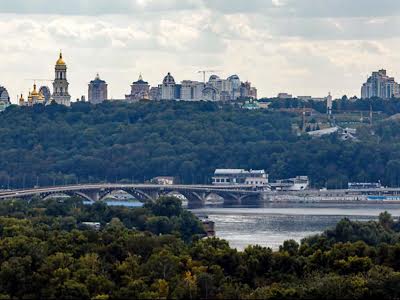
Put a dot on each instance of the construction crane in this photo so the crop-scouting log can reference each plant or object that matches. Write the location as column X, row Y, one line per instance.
column 39, row 79
column 204, row 72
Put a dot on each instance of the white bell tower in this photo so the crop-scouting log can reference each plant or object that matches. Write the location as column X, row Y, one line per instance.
column 60, row 84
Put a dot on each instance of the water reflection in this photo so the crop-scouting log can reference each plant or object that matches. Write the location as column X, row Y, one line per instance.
column 272, row 224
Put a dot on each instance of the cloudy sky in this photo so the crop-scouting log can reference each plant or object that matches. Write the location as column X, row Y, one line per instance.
column 304, row 47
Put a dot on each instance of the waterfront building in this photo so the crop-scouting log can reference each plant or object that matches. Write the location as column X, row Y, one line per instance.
column 140, row 90
column 298, row 183
column 60, row 84
column 380, row 85
column 240, row 177
column 364, row 185
column 163, row 180
column 97, row 91
column 4, row 98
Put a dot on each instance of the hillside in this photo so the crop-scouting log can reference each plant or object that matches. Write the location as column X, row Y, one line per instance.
column 136, row 142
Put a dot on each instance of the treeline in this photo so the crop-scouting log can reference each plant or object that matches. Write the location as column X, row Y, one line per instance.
column 46, row 253
column 388, row 106
column 56, row 145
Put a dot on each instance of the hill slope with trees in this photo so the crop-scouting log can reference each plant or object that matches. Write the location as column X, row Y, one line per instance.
column 136, row 142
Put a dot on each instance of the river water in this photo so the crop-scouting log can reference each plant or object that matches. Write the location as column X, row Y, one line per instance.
column 272, row 224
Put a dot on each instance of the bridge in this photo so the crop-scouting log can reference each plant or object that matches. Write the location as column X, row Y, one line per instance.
column 195, row 194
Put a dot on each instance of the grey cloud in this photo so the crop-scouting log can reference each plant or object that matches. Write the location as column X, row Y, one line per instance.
column 267, row 8
column 334, row 29
column 308, row 8
column 93, row 7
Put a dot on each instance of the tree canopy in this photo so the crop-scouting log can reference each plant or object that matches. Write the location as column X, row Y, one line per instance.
column 47, row 252
column 56, row 145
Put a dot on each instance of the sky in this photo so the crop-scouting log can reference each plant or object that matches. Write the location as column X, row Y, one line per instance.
column 303, row 47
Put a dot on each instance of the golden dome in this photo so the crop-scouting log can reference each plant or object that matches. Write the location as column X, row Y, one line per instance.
column 60, row 61
column 40, row 96
column 21, row 99
column 34, row 92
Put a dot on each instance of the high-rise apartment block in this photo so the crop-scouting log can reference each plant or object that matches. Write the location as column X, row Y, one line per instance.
column 140, row 90
column 4, row 98
column 380, row 85
column 216, row 89
column 98, row 91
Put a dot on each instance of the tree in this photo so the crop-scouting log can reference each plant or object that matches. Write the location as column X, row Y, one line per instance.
column 166, row 206
column 386, row 220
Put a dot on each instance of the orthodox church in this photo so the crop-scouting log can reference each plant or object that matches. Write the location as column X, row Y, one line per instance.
column 60, row 93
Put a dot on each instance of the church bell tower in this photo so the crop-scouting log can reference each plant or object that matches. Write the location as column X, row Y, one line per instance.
column 60, row 84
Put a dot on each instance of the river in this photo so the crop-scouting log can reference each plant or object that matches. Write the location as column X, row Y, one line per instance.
column 272, row 224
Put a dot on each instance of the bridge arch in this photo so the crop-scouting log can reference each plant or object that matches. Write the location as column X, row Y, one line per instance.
column 50, row 195
column 141, row 195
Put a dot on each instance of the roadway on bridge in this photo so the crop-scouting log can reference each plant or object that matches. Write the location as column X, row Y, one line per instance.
column 105, row 186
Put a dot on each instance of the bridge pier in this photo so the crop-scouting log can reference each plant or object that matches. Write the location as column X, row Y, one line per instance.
column 92, row 195
column 195, row 199
column 230, row 199
column 251, row 199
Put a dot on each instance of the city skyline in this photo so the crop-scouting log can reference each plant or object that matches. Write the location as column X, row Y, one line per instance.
column 273, row 44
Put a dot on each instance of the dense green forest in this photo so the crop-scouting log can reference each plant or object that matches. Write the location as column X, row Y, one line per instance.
column 136, row 142
column 156, row 252
column 388, row 107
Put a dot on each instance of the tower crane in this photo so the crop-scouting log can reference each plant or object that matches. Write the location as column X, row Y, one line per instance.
column 204, row 72
column 40, row 79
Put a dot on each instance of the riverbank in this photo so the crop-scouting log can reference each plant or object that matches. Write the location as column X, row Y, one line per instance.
column 273, row 223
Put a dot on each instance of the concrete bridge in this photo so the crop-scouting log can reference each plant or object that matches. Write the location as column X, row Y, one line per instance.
column 195, row 194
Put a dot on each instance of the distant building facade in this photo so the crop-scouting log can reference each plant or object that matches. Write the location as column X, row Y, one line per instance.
column 298, row 183
column 155, row 93
column 380, row 85
column 216, row 89
column 285, row 96
column 4, row 98
column 140, row 90
column 98, row 90
column 192, row 90
column 163, row 180
column 240, row 177
column 169, row 89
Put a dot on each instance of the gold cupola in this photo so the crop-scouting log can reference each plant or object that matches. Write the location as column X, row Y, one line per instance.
column 41, row 97
column 60, row 61
column 34, row 92
column 30, row 99
column 21, row 100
